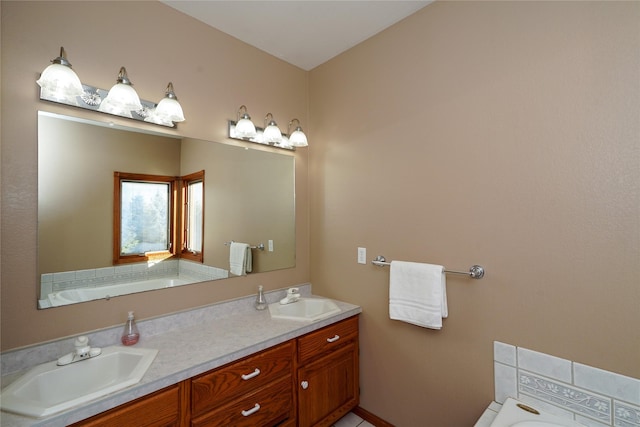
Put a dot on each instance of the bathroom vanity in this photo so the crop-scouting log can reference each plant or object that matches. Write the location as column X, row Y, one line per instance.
column 244, row 369
column 318, row 370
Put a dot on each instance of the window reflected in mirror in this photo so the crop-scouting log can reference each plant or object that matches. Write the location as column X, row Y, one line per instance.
column 142, row 229
column 193, row 216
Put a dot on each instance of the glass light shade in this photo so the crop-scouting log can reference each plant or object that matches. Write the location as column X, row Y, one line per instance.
column 272, row 134
column 60, row 83
column 122, row 99
column 152, row 117
column 170, row 109
column 245, row 127
column 298, row 138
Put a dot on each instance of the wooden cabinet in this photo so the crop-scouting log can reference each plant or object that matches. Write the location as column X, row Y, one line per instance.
column 255, row 391
column 163, row 408
column 328, row 374
column 311, row 381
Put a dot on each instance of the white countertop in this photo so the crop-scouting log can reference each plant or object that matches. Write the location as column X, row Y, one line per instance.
column 184, row 352
column 488, row 415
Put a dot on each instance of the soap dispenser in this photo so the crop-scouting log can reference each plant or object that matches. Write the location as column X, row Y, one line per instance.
column 130, row 335
column 261, row 303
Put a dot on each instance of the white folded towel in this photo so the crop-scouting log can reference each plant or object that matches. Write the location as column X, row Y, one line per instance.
column 240, row 262
column 418, row 294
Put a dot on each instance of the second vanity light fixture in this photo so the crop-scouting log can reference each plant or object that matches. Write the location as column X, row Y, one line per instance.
column 59, row 83
column 244, row 129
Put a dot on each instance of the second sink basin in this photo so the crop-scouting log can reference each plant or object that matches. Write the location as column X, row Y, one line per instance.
column 47, row 389
column 305, row 309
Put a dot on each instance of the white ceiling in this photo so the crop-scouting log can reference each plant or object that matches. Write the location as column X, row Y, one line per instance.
column 305, row 33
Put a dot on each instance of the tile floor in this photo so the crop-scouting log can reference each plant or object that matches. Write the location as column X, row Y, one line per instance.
column 352, row 420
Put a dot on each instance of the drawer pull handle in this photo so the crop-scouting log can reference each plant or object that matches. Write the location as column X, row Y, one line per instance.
column 251, row 411
column 251, row 375
column 304, row 385
column 334, row 339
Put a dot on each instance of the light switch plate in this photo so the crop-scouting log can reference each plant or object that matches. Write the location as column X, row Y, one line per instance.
column 362, row 255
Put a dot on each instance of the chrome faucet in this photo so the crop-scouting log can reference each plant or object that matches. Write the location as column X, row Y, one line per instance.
column 83, row 351
column 293, row 295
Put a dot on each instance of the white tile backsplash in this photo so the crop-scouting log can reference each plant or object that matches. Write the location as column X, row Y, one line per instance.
column 591, row 396
column 553, row 367
column 504, row 353
column 618, row 386
column 589, row 422
column 53, row 282
column 506, row 381
column 565, row 396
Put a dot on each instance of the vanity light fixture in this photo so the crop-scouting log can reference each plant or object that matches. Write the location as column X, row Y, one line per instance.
column 168, row 110
column 122, row 98
column 272, row 133
column 297, row 138
column 245, row 130
column 285, row 143
column 59, row 82
column 244, row 127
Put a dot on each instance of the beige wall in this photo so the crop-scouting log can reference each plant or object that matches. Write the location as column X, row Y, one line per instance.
column 500, row 133
column 212, row 74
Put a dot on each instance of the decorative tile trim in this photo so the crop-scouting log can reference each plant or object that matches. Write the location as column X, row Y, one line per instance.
column 615, row 385
column 544, row 364
column 626, row 415
column 565, row 396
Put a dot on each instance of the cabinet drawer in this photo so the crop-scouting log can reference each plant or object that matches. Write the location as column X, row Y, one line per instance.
column 317, row 343
column 161, row 408
column 215, row 388
column 265, row 407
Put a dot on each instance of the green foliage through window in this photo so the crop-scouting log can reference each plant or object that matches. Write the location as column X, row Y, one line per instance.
column 145, row 217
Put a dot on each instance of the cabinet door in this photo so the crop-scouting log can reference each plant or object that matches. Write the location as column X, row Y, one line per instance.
column 328, row 387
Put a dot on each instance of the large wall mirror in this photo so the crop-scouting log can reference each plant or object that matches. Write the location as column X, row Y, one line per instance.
column 249, row 198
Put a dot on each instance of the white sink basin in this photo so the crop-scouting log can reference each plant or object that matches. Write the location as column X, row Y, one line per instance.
column 48, row 388
column 305, row 309
column 512, row 415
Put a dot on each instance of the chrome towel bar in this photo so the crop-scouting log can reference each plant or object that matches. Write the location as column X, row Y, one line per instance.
column 475, row 272
column 259, row 247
